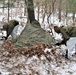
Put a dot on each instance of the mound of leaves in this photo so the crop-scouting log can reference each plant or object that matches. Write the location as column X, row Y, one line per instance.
column 37, row 49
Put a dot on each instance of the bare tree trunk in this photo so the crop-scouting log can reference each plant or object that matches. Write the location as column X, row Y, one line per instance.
column 66, row 16
column 38, row 12
column 53, row 8
column 8, row 10
column 73, row 17
column 45, row 10
column 59, row 11
column 66, row 13
column 30, row 10
column 48, row 17
column 25, row 8
column 3, row 5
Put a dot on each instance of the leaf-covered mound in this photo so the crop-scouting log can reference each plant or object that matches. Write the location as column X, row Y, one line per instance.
column 33, row 34
column 37, row 49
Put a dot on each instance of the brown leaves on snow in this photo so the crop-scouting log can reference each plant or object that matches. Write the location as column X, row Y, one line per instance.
column 37, row 49
column 8, row 45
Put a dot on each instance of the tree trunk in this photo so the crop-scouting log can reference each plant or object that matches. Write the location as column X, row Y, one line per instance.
column 66, row 12
column 25, row 8
column 66, row 16
column 73, row 17
column 8, row 10
column 3, row 5
column 49, row 14
column 53, row 8
column 38, row 12
column 59, row 10
column 30, row 10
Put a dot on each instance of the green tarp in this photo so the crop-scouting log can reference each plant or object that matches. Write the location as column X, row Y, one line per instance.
column 32, row 34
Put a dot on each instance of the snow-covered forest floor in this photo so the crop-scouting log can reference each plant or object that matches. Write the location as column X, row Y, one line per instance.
column 14, row 62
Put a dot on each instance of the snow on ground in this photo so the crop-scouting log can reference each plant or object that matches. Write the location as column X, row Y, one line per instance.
column 18, row 64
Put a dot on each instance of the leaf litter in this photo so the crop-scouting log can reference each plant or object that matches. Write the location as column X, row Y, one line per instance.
column 38, row 60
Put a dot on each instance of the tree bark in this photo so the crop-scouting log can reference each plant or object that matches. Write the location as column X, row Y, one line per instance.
column 8, row 10
column 73, row 17
column 59, row 10
column 30, row 10
column 38, row 12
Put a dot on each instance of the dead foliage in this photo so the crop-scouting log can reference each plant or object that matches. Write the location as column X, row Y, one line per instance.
column 37, row 49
